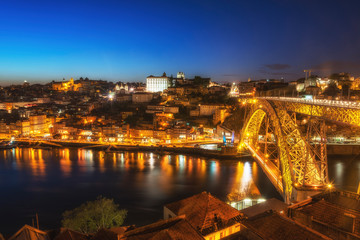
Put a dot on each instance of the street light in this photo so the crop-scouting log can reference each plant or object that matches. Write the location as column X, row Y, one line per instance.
column 111, row 96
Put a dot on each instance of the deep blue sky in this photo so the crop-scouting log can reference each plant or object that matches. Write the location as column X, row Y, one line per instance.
column 225, row 39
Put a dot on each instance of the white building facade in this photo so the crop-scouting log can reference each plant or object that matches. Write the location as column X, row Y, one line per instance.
column 157, row 84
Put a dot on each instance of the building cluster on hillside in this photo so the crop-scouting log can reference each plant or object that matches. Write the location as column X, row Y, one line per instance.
column 338, row 86
column 329, row 215
column 164, row 110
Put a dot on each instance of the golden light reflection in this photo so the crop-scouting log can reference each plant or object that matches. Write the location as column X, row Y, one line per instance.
column 177, row 164
column 127, row 160
column 122, row 159
column 85, row 160
column 182, row 162
column 165, row 166
column 18, row 157
column 190, row 167
column 203, row 168
column 140, row 161
column 65, row 162
column 37, row 162
column 114, row 160
column 102, row 161
column 255, row 170
column 151, row 161
column 243, row 185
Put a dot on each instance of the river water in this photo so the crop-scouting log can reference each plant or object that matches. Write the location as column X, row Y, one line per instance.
column 48, row 182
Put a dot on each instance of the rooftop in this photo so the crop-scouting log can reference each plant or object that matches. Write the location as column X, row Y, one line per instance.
column 67, row 234
column 272, row 225
column 29, row 233
column 110, row 234
column 338, row 209
column 205, row 212
column 174, row 228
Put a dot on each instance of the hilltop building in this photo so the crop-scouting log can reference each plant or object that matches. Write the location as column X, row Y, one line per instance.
column 66, row 85
column 157, row 84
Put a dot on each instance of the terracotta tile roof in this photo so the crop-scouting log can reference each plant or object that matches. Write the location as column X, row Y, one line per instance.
column 330, row 213
column 348, row 200
column 29, row 233
column 68, row 234
column 174, row 228
column 271, row 225
column 110, row 234
column 205, row 212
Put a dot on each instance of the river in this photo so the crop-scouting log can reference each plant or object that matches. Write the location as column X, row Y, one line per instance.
column 48, row 182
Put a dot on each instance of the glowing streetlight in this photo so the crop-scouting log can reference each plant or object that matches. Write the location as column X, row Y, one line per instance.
column 111, row 96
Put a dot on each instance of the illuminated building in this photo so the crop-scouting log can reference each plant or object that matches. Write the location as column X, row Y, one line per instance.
column 234, row 90
column 66, row 85
column 208, row 110
column 23, row 127
column 38, row 124
column 157, row 84
column 161, row 108
column 220, row 115
column 4, row 130
column 181, row 75
column 162, row 121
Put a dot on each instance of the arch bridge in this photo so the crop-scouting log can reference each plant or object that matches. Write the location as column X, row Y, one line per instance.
column 296, row 167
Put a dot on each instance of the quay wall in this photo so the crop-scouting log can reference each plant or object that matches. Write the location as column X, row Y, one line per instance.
column 343, row 149
column 139, row 148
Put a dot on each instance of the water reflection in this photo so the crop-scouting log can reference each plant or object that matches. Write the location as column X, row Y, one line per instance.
column 243, row 184
column 65, row 163
column 344, row 172
column 166, row 168
column 142, row 182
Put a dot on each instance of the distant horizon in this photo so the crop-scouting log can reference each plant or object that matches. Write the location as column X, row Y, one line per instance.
column 226, row 40
column 45, row 81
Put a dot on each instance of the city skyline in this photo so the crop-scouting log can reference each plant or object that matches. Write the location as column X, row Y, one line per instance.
column 227, row 41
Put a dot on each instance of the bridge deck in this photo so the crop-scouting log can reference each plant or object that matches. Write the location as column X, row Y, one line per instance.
column 320, row 102
column 270, row 169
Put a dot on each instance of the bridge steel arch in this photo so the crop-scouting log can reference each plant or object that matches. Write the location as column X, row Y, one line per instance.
column 342, row 114
column 300, row 174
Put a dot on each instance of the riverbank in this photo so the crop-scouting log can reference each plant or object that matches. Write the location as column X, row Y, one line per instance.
column 343, row 149
column 224, row 153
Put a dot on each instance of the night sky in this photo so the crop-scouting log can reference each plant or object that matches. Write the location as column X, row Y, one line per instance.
column 228, row 40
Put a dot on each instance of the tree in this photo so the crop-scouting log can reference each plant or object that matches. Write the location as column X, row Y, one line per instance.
column 345, row 88
column 332, row 90
column 201, row 81
column 91, row 216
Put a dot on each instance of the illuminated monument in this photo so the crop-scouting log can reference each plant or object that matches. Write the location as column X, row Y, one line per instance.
column 66, row 85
